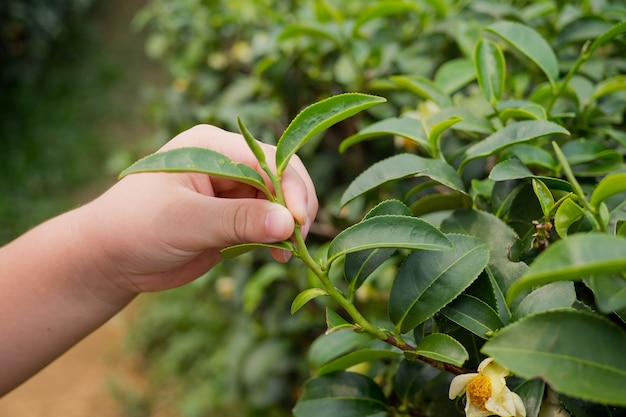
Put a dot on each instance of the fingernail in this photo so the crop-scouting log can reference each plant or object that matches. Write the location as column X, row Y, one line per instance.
column 278, row 223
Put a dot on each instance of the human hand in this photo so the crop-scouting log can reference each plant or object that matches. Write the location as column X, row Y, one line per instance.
column 157, row 231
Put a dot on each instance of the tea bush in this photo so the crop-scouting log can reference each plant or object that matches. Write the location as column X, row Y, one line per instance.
column 487, row 220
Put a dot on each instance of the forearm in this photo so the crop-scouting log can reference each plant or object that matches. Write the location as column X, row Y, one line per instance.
column 48, row 301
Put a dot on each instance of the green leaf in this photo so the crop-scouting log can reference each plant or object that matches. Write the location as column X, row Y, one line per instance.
column 402, row 166
column 329, row 347
column 512, row 134
column 316, row 118
column 514, row 169
column 254, row 146
column 377, row 11
column 200, row 160
column 454, row 74
column 533, row 156
column 440, row 202
column 609, row 86
column 374, row 350
column 436, row 130
column 335, row 322
column 474, row 315
column 520, row 109
column 344, row 394
column 490, row 68
column 407, row 127
column 256, row 286
column 428, row 281
column 531, row 392
column 443, row 348
column 530, row 43
column 610, row 34
column 470, row 123
column 326, row 32
column 306, row 296
column 561, row 346
column 423, row 87
column 607, row 187
column 236, row 250
column 548, row 297
column 609, row 291
column 566, row 215
column 360, row 265
column 546, row 200
column 388, row 232
column 573, row 258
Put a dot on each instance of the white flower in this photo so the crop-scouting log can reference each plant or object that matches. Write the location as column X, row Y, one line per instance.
column 487, row 393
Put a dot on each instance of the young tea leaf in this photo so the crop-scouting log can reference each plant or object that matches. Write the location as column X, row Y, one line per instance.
column 530, row 43
column 200, row 160
column 409, row 128
column 316, row 118
column 306, row 296
column 607, row 187
column 490, row 67
column 236, row 250
column 473, row 314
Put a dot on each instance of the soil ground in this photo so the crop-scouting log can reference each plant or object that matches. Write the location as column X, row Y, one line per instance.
column 79, row 384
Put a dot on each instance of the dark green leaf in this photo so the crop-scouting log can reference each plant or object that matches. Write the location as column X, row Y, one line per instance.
column 531, row 392
column 428, row 281
column 316, row 118
column 442, row 348
column 341, row 394
column 513, row 169
column 440, row 202
column 200, row 160
column 331, row 346
column 609, row 291
column 388, row 232
column 573, row 258
column 374, row 350
column 402, row 166
column 547, row 297
column 474, row 315
column 559, row 346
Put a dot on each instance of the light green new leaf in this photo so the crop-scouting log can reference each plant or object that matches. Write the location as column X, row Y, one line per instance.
column 579, row 354
column 335, row 322
column 205, row 161
column 545, row 197
column 402, row 166
column 616, row 30
column 574, row 258
column 316, row 118
column 306, row 296
column 423, row 87
column 427, row 281
column 253, row 144
column 454, row 74
column 406, row 127
column 566, row 215
column 388, row 232
column 490, row 68
column 344, row 394
column 436, row 130
column 236, row 250
column 608, row 86
column 512, row 134
column 530, row 43
column 474, row 315
column 442, row 348
column 608, row 186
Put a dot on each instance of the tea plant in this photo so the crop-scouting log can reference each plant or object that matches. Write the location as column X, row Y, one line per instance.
column 498, row 231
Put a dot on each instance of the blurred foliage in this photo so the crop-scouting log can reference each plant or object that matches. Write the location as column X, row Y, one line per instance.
column 266, row 60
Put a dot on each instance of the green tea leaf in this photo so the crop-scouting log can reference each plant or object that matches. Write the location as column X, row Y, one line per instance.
column 402, row 166
column 326, row 32
column 377, row 11
column 388, row 232
column 548, row 297
column 329, row 347
column 423, row 87
column 236, row 250
column 427, row 281
column 490, row 68
column 566, row 215
column 610, row 34
column 306, row 296
column 546, row 200
column 474, row 315
column 335, row 322
column 559, row 346
column 316, row 118
column 436, row 130
column 574, row 258
column 372, row 351
column 514, row 169
column 609, row 291
column 254, row 146
column 443, row 348
column 407, row 127
column 454, row 74
column 609, row 86
column 530, row 43
column 607, row 187
column 512, row 134
column 343, row 394
column 201, row 160
column 440, row 202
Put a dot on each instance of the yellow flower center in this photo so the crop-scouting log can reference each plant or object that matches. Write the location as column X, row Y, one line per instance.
column 479, row 391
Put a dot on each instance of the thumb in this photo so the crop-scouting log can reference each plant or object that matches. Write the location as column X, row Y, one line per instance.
column 237, row 221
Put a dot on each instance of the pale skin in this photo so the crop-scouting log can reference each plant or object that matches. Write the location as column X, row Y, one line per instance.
column 148, row 232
